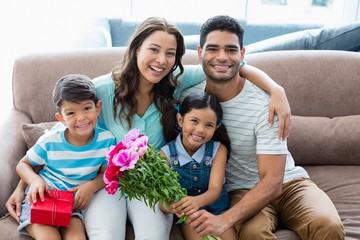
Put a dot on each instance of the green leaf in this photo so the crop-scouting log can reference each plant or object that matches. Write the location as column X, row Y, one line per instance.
column 181, row 220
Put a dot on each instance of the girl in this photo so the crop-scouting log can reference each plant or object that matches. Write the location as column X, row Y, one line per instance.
column 199, row 154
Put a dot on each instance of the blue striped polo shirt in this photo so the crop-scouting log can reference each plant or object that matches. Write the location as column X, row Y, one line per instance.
column 66, row 166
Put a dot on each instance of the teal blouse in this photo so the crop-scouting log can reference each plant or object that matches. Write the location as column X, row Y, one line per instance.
column 149, row 124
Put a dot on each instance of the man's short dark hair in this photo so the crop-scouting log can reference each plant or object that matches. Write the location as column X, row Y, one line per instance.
column 74, row 88
column 222, row 23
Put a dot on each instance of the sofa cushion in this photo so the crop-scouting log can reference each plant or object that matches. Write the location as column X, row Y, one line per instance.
column 344, row 37
column 325, row 141
column 32, row 132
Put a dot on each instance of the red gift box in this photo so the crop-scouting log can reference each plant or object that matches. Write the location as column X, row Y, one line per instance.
column 56, row 209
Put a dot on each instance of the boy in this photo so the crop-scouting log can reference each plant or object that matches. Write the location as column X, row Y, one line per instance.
column 72, row 157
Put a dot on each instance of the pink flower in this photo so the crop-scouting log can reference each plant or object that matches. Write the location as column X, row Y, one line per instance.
column 112, row 187
column 141, row 144
column 131, row 136
column 126, row 159
column 142, row 151
column 111, row 178
column 111, row 173
column 115, row 149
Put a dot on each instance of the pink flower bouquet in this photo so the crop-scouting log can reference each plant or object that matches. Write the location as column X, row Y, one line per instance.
column 141, row 172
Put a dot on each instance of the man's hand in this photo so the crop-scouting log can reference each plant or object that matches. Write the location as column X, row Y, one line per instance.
column 279, row 105
column 205, row 223
column 13, row 204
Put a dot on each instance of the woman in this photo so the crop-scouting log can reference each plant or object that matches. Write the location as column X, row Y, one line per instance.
column 138, row 94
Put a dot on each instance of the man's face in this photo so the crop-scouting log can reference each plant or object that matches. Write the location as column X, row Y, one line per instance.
column 221, row 56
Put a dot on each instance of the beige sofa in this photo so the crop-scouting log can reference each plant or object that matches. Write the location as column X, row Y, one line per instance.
column 323, row 88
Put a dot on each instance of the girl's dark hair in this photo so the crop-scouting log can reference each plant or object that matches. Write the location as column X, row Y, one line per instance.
column 199, row 100
column 126, row 76
column 74, row 88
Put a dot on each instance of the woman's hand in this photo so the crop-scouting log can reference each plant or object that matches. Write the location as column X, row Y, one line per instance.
column 13, row 204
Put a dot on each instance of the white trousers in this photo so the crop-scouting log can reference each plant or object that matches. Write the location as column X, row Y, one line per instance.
column 106, row 216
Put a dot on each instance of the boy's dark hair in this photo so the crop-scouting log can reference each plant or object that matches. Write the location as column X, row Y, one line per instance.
column 222, row 23
column 198, row 100
column 74, row 88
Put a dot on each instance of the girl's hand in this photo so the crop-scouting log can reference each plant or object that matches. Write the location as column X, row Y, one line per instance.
column 37, row 186
column 83, row 195
column 187, row 205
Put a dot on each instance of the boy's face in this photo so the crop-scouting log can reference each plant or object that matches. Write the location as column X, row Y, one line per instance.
column 221, row 56
column 79, row 117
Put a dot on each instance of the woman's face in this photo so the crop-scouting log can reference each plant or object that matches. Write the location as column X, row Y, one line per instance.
column 156, row 56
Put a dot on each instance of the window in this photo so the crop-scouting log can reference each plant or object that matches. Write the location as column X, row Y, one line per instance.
column 34, row 25
column 186, row 10
column 300, row 11
column 313, row 11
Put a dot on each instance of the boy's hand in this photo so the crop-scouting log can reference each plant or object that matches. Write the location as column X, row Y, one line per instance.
column 37, row 186
column 83, row 195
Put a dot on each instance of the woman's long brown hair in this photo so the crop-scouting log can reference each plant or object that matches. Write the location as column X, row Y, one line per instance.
column 126, row 76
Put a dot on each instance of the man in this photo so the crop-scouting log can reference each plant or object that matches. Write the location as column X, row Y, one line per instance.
column 265, row 187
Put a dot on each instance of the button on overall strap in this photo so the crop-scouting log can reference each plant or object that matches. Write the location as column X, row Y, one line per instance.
column 209, row 148
column 173, row 153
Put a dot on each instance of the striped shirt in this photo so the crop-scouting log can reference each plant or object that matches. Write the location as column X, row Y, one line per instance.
column 66, row 166
column 246, row 120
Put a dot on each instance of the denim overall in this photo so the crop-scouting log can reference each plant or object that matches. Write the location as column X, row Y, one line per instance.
column 194, row 177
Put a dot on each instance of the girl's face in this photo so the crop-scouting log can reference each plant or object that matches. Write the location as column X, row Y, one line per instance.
column 156, row 56
column 80, row 119
column 198, row 127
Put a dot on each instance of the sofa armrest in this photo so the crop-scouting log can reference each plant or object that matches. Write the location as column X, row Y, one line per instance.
column 12, row 149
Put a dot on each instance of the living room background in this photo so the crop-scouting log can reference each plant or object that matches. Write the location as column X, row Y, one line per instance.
column 34, row 26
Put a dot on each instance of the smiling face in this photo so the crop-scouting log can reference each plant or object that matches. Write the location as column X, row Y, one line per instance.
column 80, row 119
column 156, row 56
column 221, row 56
column 198, row 127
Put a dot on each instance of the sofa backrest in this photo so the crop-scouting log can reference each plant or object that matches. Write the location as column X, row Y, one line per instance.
column 317, row 83
column 35, row 75
column 323, row 89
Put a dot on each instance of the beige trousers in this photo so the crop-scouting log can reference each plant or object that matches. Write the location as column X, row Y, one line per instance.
column 302, row 207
